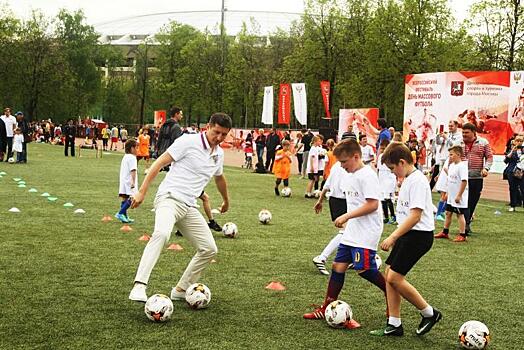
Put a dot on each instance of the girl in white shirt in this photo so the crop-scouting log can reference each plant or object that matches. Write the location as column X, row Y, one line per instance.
column 18, row 141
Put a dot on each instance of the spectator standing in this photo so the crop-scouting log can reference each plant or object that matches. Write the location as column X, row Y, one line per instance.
column 70, row 133
column 114, row 138
column 105, row 137
column 349, row 134
column 299, row 151
column 307, row 139
column 123, row 136
column 3, row 140
column 271, row 146
column 515, row 160
column 169, row 131
column 26, row 132
column 260, row 143
column 480, row 158
column 10, row 125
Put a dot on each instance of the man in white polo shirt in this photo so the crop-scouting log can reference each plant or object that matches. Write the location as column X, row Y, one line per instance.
column 194, row 160
column 10, row 126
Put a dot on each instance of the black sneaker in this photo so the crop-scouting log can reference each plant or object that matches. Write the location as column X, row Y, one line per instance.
column 386, row 220
column 214, row 226
column 428, row 322
column 468, row 231
column 390, row 330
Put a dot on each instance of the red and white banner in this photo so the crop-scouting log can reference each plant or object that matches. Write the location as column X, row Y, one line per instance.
column 361, row 119
column 325, row 88
column 480, row 98
column 160, row 118
column 284, row 104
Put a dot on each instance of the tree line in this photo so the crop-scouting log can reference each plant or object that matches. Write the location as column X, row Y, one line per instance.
column 52, row 67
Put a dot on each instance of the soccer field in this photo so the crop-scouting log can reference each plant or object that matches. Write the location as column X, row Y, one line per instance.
column 65, row 278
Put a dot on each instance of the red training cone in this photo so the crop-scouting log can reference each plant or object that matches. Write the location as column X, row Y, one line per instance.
column 275, row 286
column 176, row 247
column 107, row 218
column 144, row 238
column 126, row 228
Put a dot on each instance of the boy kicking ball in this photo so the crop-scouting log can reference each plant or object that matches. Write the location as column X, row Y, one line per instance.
column 410, row 241
column 363, row 227
column 128, row 180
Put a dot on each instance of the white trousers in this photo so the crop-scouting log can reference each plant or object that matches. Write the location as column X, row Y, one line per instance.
column 168, row 212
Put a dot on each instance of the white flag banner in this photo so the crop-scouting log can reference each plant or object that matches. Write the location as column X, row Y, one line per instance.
column 300, row 102
column 267, row 110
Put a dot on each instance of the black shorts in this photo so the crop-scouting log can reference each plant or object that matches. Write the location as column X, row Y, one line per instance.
column 408, row 249
column 312, row 176
column 456, row 210
column 320, row 173
column 337, row 207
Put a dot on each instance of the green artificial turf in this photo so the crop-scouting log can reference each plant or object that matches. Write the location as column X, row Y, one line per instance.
column 65, row 278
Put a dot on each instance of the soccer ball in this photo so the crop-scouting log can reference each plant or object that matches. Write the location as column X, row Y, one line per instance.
column 286, row 192
column 338, row 313
column 11, row 160
column 230, row 230
column 159, row 308
column 474, row 335
column 198, row 296
column 264, row 216
column 317, row 193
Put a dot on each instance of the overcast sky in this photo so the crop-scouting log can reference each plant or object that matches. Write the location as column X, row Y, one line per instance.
column 98, row 11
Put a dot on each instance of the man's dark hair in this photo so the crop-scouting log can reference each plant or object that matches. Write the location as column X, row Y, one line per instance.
column 382, row 123
column 221, row 119
column 469, row 126
column 173, row 110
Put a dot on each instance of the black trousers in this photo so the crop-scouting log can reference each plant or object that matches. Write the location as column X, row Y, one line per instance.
column 516, row 191
column 69, row 142
column 475, row 189
column 299, row 160
column 270, row 159
column 9, row 143
column 433, row 181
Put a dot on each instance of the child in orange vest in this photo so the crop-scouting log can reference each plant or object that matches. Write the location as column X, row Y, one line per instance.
column 282, row 166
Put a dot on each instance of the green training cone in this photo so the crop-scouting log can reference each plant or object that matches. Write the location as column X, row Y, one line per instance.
column 52, row 199
column 69, row 205
column 32, row 190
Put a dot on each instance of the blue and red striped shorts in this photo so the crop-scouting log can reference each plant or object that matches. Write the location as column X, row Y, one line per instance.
column 361, row 258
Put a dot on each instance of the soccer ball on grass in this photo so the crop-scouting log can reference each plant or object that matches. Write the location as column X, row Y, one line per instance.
column 198, row 296
column 264, row 216
column 230, row 230
column 338, row 313
column 158, row 308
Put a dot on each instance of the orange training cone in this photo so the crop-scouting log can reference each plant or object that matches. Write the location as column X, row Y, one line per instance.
column 176, row 247
column 144, row 238
column 107, row 218
column 275, row 286
column 126, row 228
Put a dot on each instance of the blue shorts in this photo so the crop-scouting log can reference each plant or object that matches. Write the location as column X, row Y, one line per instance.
column 361, row 258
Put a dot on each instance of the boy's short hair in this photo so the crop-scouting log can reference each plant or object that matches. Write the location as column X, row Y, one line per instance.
column 384, row 143
column 349, row 147
column 315, row 139
column 361, row 136
column 469, row 126
column 130, row 144
column 18, row 129
column 285, row 143
column 457, row 149
column 395, row 152
column 221, row 119
column 330, row 143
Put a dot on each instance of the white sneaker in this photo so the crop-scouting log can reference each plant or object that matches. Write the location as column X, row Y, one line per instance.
column 138, row 293
column 321, row 265
column 511, row 209
column 178, row 296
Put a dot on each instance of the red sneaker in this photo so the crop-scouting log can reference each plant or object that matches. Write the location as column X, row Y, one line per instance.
column 460, row 238
column 352, row 324
column 317, row 314
column 442, row 235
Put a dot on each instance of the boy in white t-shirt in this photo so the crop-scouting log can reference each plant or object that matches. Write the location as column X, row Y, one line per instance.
column 457, row 193
column 128, row 180
column 388, row 186
column 368, row 154
column 411, row 240
column 363, row 227
column 313, row 165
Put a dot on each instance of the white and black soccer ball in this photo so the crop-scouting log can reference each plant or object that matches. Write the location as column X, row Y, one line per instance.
column 11, row 160
column 264, row 216
column 474, row 335
column 158, row 308
column 286, row 192
column 198, row 296
column 317, row 193
column 230, row 230
column 338, row 313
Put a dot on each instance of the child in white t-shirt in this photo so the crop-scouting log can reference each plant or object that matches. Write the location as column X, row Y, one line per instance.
column 410, row 241
column 368, row 154
column 128, row 180
column 363, row 227
column 388, row 186
column 312, row 167
column 442, row 188
column 18, row 145
column 457, row 193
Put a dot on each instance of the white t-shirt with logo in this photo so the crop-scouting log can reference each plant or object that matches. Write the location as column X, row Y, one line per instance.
column 322, row 158
column 335, row 180
column 386, row 179
column 9, row 122
column 363, row 231
column 367, row 153
column 456, row 174
column 312, row 162
column 127, row 165
column 194, row 163
column 415, row 193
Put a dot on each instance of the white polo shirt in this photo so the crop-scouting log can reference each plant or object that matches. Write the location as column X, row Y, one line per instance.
column 194, row 163
column 415, row 193
column 9, row 123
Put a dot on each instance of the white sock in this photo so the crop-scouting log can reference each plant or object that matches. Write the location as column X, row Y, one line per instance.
column 427, row 311
column 394, row 321
column 331, row 246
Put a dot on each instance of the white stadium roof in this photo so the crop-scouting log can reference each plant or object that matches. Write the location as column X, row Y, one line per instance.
column 133, row 30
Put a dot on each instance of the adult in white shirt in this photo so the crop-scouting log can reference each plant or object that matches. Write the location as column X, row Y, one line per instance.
column 454, row 135
column 194, row 160
column 10, row 125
